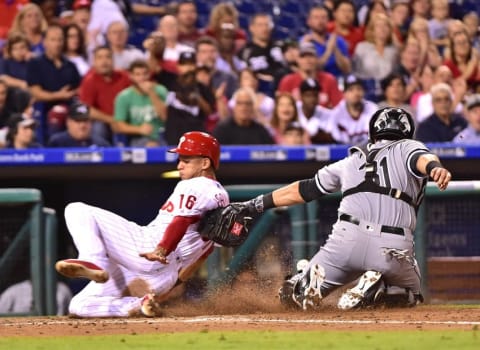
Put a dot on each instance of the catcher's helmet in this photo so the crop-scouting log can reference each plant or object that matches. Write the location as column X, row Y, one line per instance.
column 197, row 143
column 391, row 123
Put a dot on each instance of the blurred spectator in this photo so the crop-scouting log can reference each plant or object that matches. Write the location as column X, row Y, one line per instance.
column 226, row 13
column 79, row 128
column 99, row 89
column 18, row 298
column 105, row 12
column 21, row 134
column 442, row 74
column 51, row 77
column 294, row 135
column 471, row 22
column 207, row 55
column 429, row 53
column 399, row 14
column 290, row 53
column 81, row 16
column 264, row 104
column 228, row 60
column 368, row 11
column 31, row 22
column 443, row 125
column 260, row 53
column 329, row 95
column 241, row 128
column 74, row 48
column 315, row 119
column 140, row 110
column 155, row 46
column 168, row 29
column 438, row 24
column 344, row 24
column 332, row 50
column 426, row 82
column 12, row 100
column 471, row 134
column 147, row 13
column 49, row 10
column 284, row 114
column 376, row 57
column 394, row 90
column 13, row 66
column 186, row 14
column 189, row 102
column 464, row 59
column 352, row 115
column 123, row 54
column 420, row 9
column 410, row 65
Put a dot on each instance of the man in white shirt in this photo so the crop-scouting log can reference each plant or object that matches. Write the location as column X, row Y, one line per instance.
column 315, row 119
column 351, row 116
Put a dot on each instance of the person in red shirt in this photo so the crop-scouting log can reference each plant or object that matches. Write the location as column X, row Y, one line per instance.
column 343, row 24
column 329, row 95
column 99, row 88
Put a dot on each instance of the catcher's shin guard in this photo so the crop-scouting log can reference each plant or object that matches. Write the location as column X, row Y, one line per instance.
column 367, row 291
column 303, row 290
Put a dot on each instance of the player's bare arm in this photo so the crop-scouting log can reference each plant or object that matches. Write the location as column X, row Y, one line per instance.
column 429, row 164
column 287, row 195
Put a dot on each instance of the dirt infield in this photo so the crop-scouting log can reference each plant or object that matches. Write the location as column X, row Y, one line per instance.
column 249, row 308
column 421, row 318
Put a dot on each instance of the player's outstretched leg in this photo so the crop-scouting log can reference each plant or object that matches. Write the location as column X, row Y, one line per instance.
column 74, row 268
column 303, row 289
column 368, row 289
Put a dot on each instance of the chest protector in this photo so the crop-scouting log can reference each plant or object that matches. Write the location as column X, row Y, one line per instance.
column 371, row 181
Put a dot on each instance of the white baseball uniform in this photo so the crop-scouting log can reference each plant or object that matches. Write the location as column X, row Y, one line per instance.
column 114, row 243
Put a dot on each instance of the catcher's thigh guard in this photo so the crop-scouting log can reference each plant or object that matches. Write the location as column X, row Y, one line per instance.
column 303, row 290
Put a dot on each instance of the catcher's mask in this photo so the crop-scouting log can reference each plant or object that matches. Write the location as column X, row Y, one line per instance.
column 391, row 124
column 197, row 143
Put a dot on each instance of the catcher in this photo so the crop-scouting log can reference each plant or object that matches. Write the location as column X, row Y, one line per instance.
column 382, row 185
column 133, row 268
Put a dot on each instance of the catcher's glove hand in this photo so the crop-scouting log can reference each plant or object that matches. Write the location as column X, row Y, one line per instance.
column 228, row 226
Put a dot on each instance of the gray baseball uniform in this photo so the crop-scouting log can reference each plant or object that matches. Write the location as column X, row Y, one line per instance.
column 369, row 222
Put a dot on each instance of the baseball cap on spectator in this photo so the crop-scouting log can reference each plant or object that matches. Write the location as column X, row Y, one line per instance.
column 78, row 4
column 78, row 112
column 57, row 115
column 307, row 48
column 18, row 119
column 187, row 57
column 472, row 101
column 352, row 80
column 310, row 84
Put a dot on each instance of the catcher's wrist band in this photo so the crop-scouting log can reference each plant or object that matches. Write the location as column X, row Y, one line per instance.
column 431, row 165
column 263, row 202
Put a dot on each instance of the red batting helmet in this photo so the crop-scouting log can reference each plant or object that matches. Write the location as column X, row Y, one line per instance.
column 197, row 143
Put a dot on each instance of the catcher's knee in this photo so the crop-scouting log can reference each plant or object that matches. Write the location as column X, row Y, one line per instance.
column 303, row 290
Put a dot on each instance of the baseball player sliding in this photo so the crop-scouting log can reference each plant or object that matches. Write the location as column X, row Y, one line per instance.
column 382, row 184
column 116, row 254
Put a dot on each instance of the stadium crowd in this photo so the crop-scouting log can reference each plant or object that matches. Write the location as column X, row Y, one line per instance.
column 99, row 73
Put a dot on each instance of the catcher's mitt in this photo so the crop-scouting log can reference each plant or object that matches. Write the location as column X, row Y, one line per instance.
column 228, row 226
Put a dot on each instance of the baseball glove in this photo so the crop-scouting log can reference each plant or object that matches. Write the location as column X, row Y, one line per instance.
column 228, row 226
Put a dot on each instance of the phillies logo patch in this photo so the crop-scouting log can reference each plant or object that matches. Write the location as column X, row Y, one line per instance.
column 236, row 228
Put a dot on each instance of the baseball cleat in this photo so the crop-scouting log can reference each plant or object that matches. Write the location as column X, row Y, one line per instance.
column 75, row 268
column 302, row 265
column 149, row 306
column 355, row 296
column 313, row 293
